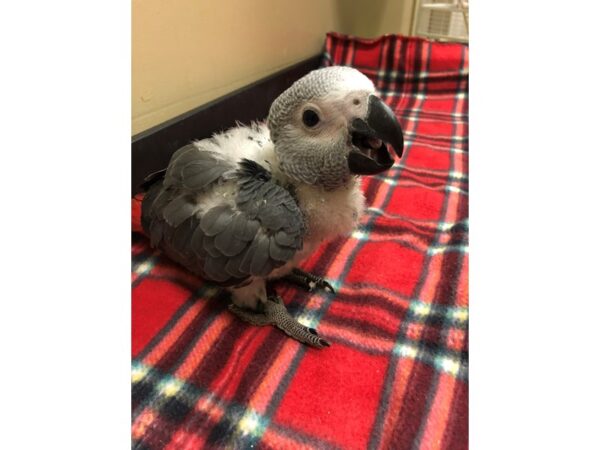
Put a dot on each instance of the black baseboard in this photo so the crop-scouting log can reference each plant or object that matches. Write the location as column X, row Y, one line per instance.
column 152, row 149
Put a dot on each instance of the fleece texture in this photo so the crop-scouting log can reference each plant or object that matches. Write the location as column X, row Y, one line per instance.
column 396, row 373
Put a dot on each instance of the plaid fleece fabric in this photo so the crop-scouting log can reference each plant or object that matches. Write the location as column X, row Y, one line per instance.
column 395, row 376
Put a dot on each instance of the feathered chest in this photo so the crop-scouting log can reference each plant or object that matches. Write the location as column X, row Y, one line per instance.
column 330, row 213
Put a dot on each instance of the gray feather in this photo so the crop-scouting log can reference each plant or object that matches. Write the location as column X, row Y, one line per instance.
column 178, row 210
column 216, row 219
column 244, row 196
column 233, row 267
column 238, row 225
column 293, row 227
column 197, row 180
column 260, row 256
column 197, row 242
column 273, row 218
column 249, row 231
column 183, row 236
column 156, row 233
column 298, row 242
column 245, row 264
column 269, row 266
column 271, row 192
column 184, row 155
column 284, row 239
column 291, row 206
column 208, row 244
column 215, row 269
column 179, row 160
column 279, row 253
column 228, row 244
column 195, row 169
column 159, row 201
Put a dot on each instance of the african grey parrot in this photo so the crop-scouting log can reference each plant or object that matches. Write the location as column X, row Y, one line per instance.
column 250, row 204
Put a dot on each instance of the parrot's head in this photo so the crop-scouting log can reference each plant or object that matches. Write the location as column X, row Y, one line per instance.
column 330, row 125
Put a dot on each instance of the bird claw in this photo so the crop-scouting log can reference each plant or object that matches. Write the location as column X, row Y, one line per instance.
column 304, row 335
column 309, row 281
column 323, row 284
column 276, row 314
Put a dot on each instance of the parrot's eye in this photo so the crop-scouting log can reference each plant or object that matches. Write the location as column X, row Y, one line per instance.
column 310, row 118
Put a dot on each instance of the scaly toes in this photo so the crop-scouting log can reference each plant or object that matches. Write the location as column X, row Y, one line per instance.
column 301, row 333
column 276, row 314
column 306, row 336
column 254, row 318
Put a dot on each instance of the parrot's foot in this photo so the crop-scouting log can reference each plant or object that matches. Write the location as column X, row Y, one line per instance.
column 275, row 313
column 308, row 281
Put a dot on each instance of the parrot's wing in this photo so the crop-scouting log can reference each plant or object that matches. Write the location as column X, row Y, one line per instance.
column 227, row 243
column 193, row 169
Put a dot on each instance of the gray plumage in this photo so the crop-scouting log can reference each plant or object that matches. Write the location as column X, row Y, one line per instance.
column 179, row 209
column 216, row 219
column 227, row 243
column 194, row 171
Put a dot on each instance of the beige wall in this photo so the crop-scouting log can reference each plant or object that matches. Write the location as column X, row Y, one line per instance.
column 372, row 18
column 188, row 52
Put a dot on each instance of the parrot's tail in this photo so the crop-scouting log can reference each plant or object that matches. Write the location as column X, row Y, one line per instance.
column 136, row 213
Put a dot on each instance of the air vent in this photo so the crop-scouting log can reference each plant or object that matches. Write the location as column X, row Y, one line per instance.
column 446, row 20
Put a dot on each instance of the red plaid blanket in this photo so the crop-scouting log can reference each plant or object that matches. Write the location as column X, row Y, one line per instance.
column 396, row 373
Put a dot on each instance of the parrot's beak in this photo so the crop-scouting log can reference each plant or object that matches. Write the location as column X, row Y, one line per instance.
column 370, row 154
